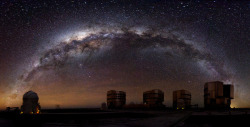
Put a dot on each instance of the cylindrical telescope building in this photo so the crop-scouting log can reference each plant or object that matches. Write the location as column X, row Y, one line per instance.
column 153, row 97
column 116, row 99
column 181, row 99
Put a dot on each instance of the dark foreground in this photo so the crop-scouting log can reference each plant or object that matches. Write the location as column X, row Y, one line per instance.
column 217, row 121
column 98, row 118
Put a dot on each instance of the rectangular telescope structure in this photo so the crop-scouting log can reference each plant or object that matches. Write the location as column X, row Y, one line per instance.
column 217, row 95
column 153, row 97
column 116, row 99
column 181, row 99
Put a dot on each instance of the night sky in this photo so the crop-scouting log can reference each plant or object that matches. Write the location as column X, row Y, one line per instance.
column 71, row 52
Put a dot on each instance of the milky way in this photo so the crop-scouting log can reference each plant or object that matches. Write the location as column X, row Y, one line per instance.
column 125, row 42
column 72, row 52
column 118, row 46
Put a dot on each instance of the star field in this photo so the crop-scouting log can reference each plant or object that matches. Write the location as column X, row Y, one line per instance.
column 80, row 49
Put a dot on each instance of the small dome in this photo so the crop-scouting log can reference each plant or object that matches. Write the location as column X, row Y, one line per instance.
column 30, row 95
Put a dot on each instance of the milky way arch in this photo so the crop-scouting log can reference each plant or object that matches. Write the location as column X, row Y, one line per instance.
column 121, row 43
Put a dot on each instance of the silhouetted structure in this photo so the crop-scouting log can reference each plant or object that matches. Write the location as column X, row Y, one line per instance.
column 181, row 99
column 103, row 106
column 228, row 91
column 58, row 106
column 30, row 103
column 153, row 98
column 14, row 110
column 116, row 99
column 217, row 95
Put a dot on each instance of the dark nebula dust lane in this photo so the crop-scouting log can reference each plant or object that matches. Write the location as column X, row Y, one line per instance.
column 124, row 47
column 64, row 50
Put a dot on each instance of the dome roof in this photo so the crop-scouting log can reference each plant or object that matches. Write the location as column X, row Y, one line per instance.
column 30, row 94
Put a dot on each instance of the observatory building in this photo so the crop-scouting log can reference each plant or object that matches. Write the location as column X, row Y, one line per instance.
column 181, row 99
column 153, row 98
column 30, row 103
column 217, row 95
column 116, row 99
